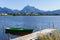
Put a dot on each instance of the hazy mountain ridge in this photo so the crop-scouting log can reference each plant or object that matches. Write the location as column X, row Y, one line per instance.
column 7, row 10
column 28, row 9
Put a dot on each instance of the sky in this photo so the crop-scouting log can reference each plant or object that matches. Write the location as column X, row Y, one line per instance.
column 45, row 5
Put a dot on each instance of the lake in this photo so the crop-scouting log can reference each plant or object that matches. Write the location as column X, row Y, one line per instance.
column 35, row 22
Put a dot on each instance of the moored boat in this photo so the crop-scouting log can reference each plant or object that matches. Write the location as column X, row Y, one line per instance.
column 19, row 31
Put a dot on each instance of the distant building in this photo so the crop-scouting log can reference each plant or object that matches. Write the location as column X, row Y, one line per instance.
column 3, row 14
column 0, row 14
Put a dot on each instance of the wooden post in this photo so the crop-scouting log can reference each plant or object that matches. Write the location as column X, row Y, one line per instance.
column 49, row 25
column 53, row 25
column 8, row 36
column 3, row 29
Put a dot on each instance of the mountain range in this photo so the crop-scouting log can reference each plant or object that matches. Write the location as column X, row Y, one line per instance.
column 28, row 9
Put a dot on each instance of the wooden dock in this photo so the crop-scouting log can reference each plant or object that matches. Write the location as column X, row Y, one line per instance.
column 33, row 36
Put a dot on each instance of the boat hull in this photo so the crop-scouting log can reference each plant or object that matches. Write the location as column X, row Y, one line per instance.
column 19, row 32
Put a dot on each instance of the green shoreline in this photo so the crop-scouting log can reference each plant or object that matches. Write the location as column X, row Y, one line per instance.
column 31, row 15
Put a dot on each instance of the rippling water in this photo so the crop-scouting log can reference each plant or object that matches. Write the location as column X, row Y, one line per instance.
column 35, row 22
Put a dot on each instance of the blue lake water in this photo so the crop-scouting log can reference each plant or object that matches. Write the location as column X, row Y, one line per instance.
column 35, row 22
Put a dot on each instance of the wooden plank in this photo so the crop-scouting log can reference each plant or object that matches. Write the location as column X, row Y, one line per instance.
column 34, row 35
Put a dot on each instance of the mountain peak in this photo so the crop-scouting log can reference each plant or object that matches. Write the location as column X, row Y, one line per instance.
column 28, row 9
column 28, row 6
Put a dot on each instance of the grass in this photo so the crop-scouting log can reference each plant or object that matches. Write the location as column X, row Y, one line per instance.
column 56, row 36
